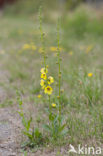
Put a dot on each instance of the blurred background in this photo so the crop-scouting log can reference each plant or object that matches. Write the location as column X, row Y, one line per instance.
column 67, row 3
column 82, row 53
column 81, row 23
column 31, row 6
column 75, row 14
column 81, row 34
column 80, row 19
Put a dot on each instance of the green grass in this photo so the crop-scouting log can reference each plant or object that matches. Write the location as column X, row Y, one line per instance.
column 82, row 100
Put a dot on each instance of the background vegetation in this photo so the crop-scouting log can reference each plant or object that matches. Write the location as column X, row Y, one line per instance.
column 81, row 40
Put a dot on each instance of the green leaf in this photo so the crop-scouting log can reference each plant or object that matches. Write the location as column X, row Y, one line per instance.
column 62, row 127
column 27, row 134
column 47, row 127
column 24, row 122
column 51, row 117
column 37, row 133
column 29, row 123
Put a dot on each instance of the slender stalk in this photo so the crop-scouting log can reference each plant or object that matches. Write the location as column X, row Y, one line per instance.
column 59, row 67
column 49, row 104
column 49, row 107
column 42, row 36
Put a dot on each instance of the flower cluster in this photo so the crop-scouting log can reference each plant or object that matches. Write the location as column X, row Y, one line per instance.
column 55, row 49
column 46, row 81
column 30, row 46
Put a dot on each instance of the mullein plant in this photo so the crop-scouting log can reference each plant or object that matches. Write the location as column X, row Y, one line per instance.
column 56, row 126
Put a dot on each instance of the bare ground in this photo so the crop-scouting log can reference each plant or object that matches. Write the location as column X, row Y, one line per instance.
column 10, row 123
column 10, row 139
column 9, row 130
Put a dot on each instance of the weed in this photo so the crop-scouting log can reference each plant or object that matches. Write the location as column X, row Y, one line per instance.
column 56, row 127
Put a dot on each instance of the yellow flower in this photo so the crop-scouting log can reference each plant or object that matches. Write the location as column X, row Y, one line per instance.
column 53, row 105
column 89, row 48
column 90, row 74
column 26, row 46
column 70, row 53
column 48, row 90
column 43, row 76
column 43, row 70
column 40, row 50
column 58, row 97
column 42, row 83
column 50, row 80
column 33, row 47
column 43, row 87
column 60, row 49
column 39, row 96
column 53, row 48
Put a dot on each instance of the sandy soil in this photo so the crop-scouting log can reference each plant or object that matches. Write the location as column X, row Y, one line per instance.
column 9, row 132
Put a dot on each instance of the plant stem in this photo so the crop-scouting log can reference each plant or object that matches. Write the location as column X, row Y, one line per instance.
column 59, row 68
column 42, row 36
column 49, row 104
column 49, row 107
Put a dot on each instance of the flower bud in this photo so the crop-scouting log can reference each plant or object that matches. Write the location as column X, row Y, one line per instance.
column 59, row 75
column 58, row 97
